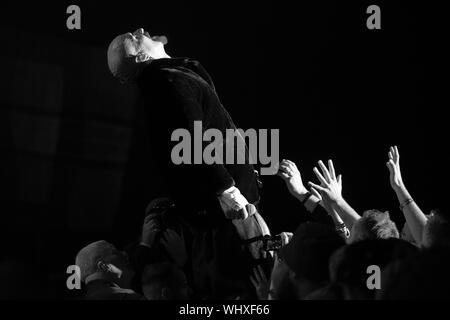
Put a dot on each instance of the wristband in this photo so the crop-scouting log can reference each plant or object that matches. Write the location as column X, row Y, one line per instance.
column 405, row 203
column 342, row 229
column 340, row 226
column 308, row 195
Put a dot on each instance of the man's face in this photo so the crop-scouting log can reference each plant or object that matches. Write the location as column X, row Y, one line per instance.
column 139, row 41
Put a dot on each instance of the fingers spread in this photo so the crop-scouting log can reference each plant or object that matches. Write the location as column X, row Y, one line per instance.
column 316, row 193
column 331, row 168
column 339, row 179
column 320, row 177
column 315, row 186
column 325, row 171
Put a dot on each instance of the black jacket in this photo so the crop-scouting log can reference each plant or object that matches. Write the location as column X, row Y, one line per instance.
column 176, row 92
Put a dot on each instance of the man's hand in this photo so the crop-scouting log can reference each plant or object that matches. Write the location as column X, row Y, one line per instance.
column 330, row 188
column 175, row 247
column 260, row 282
column 393, row 165
column 291, row 176
column 149, row 230
column 234, row 205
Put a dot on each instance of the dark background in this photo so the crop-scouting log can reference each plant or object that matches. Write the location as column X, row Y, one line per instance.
column 313, row 70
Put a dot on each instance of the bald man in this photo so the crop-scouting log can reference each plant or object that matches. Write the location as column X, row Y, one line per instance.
column 217, row 200
column 106, row 272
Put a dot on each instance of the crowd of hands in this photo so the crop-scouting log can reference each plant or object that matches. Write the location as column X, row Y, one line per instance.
column 326, row 192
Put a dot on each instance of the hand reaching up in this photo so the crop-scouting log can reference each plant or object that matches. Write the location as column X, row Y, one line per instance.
column 330, row 188
column 393, row 165
column 291, row 176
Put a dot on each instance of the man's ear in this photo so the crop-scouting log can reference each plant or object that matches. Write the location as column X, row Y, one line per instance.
column 141, row 57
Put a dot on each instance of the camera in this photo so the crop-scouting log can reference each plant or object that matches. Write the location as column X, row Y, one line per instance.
column 272, row 243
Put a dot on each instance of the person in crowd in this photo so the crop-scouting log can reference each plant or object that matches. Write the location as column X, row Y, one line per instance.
column 303, row 263
column 427, row 231
column 373, row 224
column 106, row 272
column 330, row 193
column 259, row 279
column 356, row 269
column 320, row 211
column 162, row 240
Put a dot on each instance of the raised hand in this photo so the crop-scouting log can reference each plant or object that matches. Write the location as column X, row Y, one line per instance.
column 175, row 246
column 393, row 165
column 414, row 216
column 149, row 230
column 330, row 188
column 260, row 282
column 291, row 176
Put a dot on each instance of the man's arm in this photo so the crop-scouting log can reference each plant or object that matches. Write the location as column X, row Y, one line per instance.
column 415, row 218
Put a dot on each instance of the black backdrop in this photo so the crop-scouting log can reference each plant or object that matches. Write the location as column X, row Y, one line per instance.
column 313, row 70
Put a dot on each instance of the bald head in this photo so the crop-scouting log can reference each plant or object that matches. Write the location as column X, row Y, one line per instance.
column 88, row 257
column 129, row 53
column 101, row 260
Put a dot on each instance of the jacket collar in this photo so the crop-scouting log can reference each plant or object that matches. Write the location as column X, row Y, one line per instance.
column 169, row 62
column 187, row 63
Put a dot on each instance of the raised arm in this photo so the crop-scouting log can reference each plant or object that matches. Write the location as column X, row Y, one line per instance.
column 330, row 189
column 291, row 175
column 415, row 218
